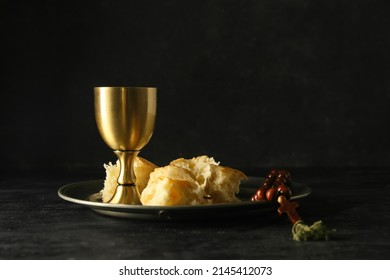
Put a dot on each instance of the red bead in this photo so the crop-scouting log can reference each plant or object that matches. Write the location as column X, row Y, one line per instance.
column 284, row 190
column 261, row 193
column 271, row 194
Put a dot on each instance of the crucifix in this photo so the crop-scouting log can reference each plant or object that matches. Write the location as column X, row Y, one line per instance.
column 288, row 207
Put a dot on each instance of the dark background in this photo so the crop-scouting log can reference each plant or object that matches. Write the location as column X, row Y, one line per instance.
column 255, row 84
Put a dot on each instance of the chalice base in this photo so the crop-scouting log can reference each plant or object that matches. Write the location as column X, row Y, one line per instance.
column 126, row 194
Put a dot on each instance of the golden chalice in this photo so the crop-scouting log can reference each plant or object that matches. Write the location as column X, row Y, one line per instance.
column 125, row 118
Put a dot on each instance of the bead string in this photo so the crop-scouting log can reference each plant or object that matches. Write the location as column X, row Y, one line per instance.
column 277, row 183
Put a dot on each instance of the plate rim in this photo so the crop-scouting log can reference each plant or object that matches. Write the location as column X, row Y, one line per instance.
column 96, row 204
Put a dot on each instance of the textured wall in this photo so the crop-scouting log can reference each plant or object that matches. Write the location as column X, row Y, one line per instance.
column 252, row 83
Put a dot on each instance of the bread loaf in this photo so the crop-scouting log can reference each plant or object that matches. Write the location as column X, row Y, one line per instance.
column 196, row 181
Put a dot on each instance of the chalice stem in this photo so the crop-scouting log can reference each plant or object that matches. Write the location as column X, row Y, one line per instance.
column 126, row 191
column 126, row 160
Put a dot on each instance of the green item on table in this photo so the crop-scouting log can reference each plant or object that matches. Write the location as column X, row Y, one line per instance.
column 317, row 231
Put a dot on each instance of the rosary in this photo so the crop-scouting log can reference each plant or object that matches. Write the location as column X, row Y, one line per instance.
column 276, row 187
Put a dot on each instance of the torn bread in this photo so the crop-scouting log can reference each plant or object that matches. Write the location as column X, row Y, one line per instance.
column 172, row 186
column 220, row 182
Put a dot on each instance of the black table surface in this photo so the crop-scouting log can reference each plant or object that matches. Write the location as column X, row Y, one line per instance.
column 37, row 224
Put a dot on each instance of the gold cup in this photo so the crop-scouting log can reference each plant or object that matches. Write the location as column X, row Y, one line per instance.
column 125, row 118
